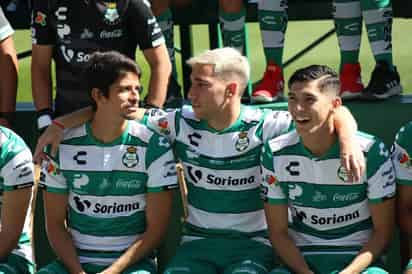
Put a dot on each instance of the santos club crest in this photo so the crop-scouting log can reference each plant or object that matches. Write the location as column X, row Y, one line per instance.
column 130, row 157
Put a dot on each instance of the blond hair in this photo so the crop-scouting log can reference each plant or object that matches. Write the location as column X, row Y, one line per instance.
column 228, row 63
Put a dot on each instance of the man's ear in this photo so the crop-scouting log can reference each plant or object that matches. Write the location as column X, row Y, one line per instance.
column 231, row 89
column 96, row 94
column 337, row 102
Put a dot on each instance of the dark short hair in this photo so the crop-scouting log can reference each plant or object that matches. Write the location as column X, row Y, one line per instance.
column 104, row 68
column 329, row 82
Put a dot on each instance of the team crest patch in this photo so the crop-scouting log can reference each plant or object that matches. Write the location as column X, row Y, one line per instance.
column 404, row 160
column 111, row 15
column 40, row 19
column 242, row 142
column 163, row 125
column 130, row 157
column 343, row 174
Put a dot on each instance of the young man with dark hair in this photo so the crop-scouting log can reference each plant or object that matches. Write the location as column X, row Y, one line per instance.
column 105, row 192
column 335, row 226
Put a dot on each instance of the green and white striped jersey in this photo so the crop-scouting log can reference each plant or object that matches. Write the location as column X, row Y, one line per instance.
column 401, row 155
column 326, row 211
column 16, row 172
column 106, row 184
column 221, row 169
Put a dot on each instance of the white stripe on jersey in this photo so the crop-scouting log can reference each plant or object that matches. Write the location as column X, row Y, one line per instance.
column 108, row 206
column 309, row 171
column 243, row 222
column 215, row 145
column 213, row 179
column 102, row 243
column 323, row 219
column 96, row 158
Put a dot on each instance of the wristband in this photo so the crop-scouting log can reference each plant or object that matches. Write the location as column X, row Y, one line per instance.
column 57, row 123
column 44, row 118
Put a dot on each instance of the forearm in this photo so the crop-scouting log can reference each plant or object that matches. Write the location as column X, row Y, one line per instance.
column 8, row 84
column 290, row 254
column 139, row 249
column 159, row 79
column 369, row 253
column 41, row 88
column 344, row 123
column 76, row 118
column 63, row 246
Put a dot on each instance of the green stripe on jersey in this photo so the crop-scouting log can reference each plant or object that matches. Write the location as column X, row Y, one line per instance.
column 224, row 201
column 118, row 226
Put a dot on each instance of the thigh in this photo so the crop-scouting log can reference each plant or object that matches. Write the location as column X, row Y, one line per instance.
column 55, row 267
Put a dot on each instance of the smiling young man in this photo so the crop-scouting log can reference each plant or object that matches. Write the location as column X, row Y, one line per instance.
column 105, row 192
column 218, row 140
column 335, row 226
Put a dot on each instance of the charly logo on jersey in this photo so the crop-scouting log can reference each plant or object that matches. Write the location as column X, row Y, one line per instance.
column 86, row 34
column 130, row 158
column 80, row 180
column 80, row 157
column 294, row 191
column 194, row 138
column 163, row 125
column 242, row 142
column 40, row 19
column 292, row 168
column 342, row 174
column 61, row 13
column 111, row 15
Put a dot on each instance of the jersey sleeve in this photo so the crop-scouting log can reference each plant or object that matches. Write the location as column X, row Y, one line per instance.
column 400, row 154
column 275, row 124
column 18, row 170
column 143, row 25
column 271, row 190
column 160, row 165
column 51, row 177
column 42, row 31
column 5, row 28
column 380, row 173
column 162, row 122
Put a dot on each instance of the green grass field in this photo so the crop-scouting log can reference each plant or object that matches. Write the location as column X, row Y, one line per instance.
column 299, row 34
